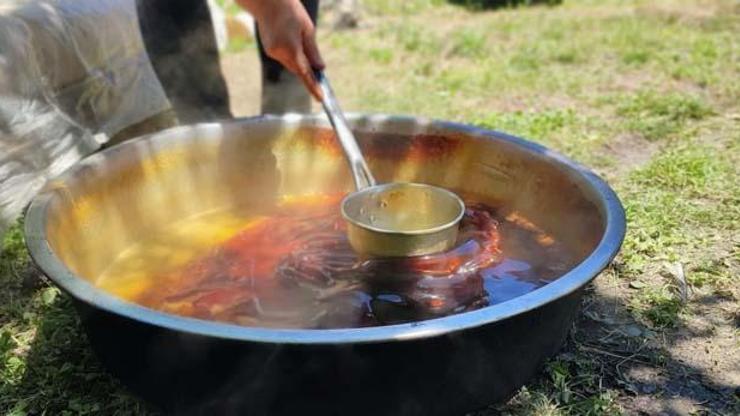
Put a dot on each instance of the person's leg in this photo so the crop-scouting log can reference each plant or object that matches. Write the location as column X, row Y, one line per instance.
column 181, row 44
column 347, row 14
column 283, row 92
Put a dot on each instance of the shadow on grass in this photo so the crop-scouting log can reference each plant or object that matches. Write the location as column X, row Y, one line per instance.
column 608, row 350
column 60, row 374
column 495, row 4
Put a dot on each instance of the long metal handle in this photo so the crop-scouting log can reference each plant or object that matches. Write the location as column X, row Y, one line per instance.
column 362, row 176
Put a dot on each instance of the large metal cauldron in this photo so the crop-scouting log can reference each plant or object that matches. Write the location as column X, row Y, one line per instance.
column 84, row 219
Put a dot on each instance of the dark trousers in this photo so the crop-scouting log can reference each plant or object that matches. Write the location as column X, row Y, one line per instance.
column 181, row 43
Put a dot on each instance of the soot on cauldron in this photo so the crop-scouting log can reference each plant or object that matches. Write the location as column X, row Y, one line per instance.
column 296, row 268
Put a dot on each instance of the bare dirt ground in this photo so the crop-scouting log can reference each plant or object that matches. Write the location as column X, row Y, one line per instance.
column 242, row 72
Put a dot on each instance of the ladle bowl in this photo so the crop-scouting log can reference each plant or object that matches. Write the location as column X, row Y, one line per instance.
column 86, row 218
column 402, row 219
column 395, row 219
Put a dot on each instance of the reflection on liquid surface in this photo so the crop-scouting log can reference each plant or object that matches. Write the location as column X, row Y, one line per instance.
column 295, row 269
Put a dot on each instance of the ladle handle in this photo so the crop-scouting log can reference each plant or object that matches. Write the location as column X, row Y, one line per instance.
column 362, row 176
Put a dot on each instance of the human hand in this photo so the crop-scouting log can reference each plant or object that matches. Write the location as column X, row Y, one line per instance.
column 289, row 37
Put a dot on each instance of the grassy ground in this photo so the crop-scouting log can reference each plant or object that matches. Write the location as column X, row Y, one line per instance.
column 645, row 92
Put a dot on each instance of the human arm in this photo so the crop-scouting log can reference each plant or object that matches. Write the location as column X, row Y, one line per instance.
column 289, row 37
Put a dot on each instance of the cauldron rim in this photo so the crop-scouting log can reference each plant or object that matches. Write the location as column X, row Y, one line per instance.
column 79, row 288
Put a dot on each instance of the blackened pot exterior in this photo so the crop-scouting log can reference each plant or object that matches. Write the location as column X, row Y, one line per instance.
column 450, row 374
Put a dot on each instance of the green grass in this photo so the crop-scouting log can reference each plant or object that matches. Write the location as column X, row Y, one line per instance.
column 229, row 6
column 392, row 7
column 237, row 45
column 685, row 194
column 535, row 125
column 469, row 43
column 46, row 365
column 382, row 56
column 658, row 115
column 13, row 256
column 683, row 207
column 579, row 78
column 560, row 392
column 659, row 306
column 534, row 52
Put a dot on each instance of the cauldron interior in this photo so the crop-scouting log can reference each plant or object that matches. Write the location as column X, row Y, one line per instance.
column 129, row 193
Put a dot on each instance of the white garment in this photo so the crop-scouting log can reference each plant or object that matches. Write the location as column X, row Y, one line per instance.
column 72, row 74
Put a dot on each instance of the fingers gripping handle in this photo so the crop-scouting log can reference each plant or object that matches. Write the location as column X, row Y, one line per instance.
column 362, row 176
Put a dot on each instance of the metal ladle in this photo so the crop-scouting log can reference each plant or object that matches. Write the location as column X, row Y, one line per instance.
column 396, row 219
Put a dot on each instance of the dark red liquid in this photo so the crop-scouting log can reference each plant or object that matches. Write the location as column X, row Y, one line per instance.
column 296, row 269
